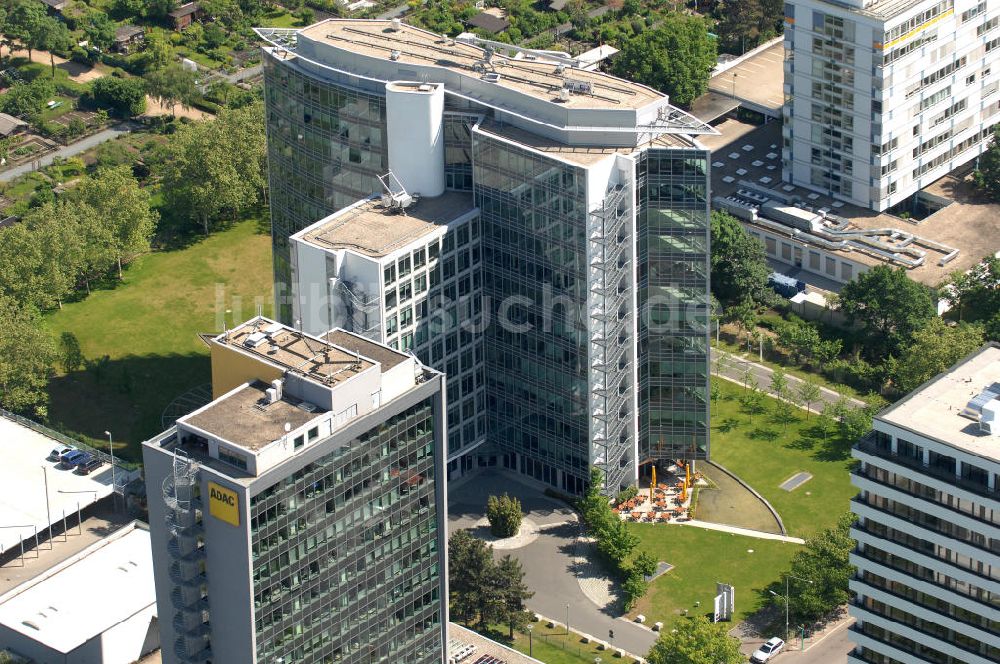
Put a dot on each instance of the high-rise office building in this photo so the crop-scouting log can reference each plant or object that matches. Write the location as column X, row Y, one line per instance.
column 582, row 281
column 883, row 97
column 928, row 532
column 299, row 516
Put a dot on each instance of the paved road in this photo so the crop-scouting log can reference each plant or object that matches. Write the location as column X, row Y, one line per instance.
column 734, row 367
column 832, row 649
column 549, row 564
column 69, row 150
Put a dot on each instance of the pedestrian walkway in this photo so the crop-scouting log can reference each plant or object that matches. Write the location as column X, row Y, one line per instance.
column 746, row 532
column 734, row 368
column 70, row 150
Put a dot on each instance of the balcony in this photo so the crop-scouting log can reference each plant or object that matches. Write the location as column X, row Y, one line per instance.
column 868, row 446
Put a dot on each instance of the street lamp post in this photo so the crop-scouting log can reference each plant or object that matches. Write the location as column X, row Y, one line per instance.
column 567, row 620
column 530, row 651
column 786, row 597
column 48, row 511
column 114, row 483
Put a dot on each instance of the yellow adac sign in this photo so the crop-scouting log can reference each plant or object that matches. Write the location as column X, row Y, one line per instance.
column 223, row 504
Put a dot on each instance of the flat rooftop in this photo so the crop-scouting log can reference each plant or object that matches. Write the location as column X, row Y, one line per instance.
column 460, row 637
column 581, row 155
column 74, row 601
column 384, row 355
column 294, row 351
column 22, row 500
column 370, row 229
column 933, row 409
column 376, row 38
column 969, row 224
column 244, row 417
column 757, row 82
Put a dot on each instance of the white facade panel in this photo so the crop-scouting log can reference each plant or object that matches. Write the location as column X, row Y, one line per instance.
column 414, row 121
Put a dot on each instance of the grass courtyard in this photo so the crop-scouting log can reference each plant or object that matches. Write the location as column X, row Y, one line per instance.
column 701, row 558
column 140, row 338
column 764, row 453
column 553, row 646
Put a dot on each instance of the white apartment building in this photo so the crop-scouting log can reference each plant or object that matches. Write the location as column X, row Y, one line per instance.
column 884, row 97
column 928, row 531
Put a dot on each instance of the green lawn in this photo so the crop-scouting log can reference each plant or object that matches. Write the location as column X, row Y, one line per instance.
column 765, row 453
column 701, row 558
column 280, row 19
column 146, row 329
column 553, row 646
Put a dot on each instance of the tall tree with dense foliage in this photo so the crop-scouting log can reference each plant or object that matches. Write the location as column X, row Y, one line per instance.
column 51, row 34
column 509, row 579
column 675, row 58
column 975, row 295
column 172, row 85
column 824, row 564
column 987, row 175
column 504, row 514
column 125, row 96
column 934, row 348
column 27, row 100
column 124, row 208
column 695, row 641
column 23, row 19
column 100, row 30
column 469, row 560
column 739, row 264
column 217, row 168
column 27, row 356
column 890, row 307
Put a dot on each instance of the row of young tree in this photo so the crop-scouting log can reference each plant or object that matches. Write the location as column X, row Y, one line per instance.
column 893, row 339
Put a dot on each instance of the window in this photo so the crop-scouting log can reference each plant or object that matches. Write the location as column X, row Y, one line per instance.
column 405, row 292
column 433, row 250
column 404, row 266
column 299, row 441
column 391, row 325
column 314, row 433
column 420, row 283
column 419, row 258
column 232, row 458
column 390, row 274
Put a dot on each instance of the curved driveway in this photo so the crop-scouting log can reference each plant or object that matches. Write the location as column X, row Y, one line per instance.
column 552, row 569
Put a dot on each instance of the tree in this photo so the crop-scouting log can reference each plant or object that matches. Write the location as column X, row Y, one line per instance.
column 70, row 354
column 469, row 560
column 695, row 641
column 509, row 578
column 158, row 9
column 172, row 85
column 634, row 588
column 739, row 263
column 51, row 35
column 976, row 293
column 935, row 347
column 124, row 208
column 217, row 167
column 987, row 176
column 644, row 564
column 890, row 307
column 779, row 383
column 100, row 30
column 127, row 9
column 23, row 20
column 504, row 514
column 125, row 96
column 824, row 564
column 27, row 100
column 41, row 256
column 27, row 355
column 675, row 58
column 809, row 393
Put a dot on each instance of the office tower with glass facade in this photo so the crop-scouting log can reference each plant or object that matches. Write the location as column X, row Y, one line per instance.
column 927, row 586
column 587, row 203
column 299, row 516
column 883, row 97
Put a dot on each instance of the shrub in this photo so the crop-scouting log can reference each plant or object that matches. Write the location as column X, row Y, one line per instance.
column 504, row 514
column 626, row 494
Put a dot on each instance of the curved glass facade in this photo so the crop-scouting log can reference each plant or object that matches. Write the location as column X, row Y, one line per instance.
column 325, row 147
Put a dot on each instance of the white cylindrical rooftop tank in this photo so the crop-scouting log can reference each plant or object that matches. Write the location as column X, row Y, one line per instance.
column 415, row 127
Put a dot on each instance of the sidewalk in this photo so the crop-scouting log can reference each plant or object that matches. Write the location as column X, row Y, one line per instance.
column 735, row 367
column 746, row 532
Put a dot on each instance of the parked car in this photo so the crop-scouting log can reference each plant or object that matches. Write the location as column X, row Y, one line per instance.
column 57, row 453
column 89, row 466
column 73, row 458
column 768, row 650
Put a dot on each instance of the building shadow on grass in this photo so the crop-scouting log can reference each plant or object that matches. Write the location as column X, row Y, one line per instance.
column 125, row 396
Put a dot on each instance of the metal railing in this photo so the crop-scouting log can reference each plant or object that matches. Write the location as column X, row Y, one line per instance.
column 66, row 440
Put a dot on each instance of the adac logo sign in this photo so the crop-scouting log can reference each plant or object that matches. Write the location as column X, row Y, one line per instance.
column 223, row 504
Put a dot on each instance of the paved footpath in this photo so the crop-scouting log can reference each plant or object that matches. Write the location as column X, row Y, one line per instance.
column 746, row 532
column 70, row 150
column 735, row 366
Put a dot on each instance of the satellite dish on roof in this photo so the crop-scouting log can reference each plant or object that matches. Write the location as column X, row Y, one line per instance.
column 288, row 427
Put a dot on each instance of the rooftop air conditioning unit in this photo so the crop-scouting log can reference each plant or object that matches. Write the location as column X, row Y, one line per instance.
column 491, row 77
column 563, row 94
column 255, row 339
column 397, row 24
column 394, row 54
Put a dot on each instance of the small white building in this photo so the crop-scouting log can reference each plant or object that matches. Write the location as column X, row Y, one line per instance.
column 97, row 607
